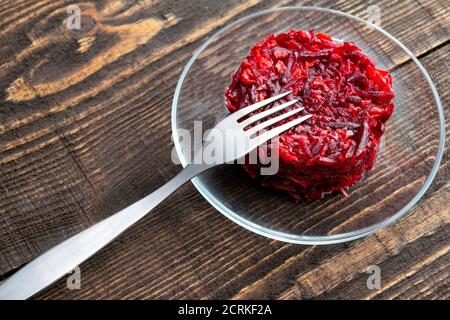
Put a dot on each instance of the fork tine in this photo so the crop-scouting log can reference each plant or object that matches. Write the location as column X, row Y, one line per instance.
column 266, row 113
column 242, row 112
column 279, row 130
column 272, row 121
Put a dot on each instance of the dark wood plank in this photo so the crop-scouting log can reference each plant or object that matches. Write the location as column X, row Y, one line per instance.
column 77, row 142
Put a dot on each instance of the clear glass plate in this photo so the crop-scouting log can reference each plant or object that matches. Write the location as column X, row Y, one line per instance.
column 410, row 154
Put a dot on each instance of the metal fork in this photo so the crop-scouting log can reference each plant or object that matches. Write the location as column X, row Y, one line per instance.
column 65, row 257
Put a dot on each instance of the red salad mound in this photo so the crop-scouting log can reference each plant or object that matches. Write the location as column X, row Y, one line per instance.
column 349, row 98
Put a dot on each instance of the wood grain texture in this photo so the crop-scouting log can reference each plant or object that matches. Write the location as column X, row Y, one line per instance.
column 85, row 131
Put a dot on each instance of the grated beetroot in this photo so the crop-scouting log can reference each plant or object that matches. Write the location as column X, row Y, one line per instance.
column 350, row 100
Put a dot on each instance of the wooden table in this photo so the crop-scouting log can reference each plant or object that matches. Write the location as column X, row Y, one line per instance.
column 83, row 112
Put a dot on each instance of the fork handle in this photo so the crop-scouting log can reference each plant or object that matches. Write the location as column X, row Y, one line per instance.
column 65, row 257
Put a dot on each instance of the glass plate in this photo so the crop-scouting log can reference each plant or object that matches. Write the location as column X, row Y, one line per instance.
column 407, row 162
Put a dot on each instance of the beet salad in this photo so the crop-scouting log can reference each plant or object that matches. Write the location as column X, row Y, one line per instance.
column 349, row 97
